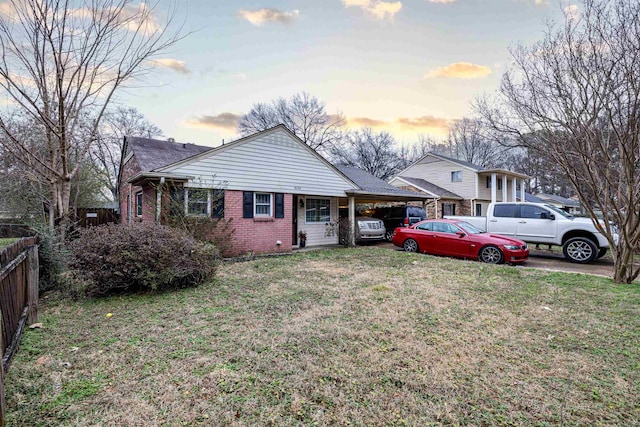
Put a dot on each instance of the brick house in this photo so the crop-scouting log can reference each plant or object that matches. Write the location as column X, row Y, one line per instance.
column 270, row 185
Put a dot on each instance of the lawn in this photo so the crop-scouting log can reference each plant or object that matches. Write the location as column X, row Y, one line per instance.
column 358, row 337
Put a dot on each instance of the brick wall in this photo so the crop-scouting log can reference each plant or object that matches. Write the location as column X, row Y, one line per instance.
column 129, row 169
column 257, row 234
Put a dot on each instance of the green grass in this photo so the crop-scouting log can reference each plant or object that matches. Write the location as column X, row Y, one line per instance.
column 358, row 337
column 4, row 242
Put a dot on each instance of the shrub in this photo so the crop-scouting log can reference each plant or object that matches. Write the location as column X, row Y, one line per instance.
column 140, row 257
column 53, row 256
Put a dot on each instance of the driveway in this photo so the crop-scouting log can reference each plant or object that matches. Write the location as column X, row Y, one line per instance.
column 553, row 260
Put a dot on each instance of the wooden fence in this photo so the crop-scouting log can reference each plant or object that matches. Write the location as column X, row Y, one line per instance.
column 98, row 216
column 18, row 300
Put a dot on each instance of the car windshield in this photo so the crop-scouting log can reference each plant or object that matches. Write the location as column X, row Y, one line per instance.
column 469, row 228
column 560, row 211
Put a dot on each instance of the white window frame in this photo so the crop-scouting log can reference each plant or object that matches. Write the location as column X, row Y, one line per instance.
column 457, row 175
column 307, row 206
column 140, row 195
column 255, row 205
column 186, row 201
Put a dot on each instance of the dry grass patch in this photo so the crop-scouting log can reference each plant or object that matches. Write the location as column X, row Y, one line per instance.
column 363, row 336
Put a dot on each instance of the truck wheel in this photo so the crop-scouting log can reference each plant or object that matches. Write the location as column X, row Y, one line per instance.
column 389, row 235
column 602, row 252
column 580, row 250
column 410, row 245
column 491, row 255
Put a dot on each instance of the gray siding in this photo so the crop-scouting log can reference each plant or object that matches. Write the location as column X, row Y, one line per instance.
column 273, row 162
column 438, row 172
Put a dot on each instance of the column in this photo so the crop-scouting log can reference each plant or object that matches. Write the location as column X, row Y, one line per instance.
column 493, row 187
column 352, row 221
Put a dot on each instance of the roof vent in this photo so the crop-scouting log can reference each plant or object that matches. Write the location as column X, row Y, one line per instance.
column 171, row 139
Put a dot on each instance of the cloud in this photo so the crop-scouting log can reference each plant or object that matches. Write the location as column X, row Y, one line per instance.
column 366, row 122
column 173, row 64
column 460, row 70
column 224, row 121
column 378, row 9
column 419, row 124
column 441, row 1
column 425, row 122
column 260, row 16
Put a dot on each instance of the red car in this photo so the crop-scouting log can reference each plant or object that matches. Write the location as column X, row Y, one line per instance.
column 460, row 239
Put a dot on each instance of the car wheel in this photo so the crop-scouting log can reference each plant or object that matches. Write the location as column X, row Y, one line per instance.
column 580, row 250
column 410, row 245
column 388, row 235
column 491, row 255
column 602, row 252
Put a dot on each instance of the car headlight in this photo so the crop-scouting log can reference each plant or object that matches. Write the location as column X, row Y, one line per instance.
column 512, row 247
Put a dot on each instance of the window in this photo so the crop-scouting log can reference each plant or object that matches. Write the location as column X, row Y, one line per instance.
column 504, row 211
column 533, row 212
column 444, row 227
column 456, row 176
column 499, row 181
column 478, row 209
column 262, row 204
column 428, row 226
column 139, row 204
column 197, row 201
column 217, row 208
column 176, row 204
column 318, row 211
column 448, row 209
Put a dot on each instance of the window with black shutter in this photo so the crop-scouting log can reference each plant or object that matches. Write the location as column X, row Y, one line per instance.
column 247, row 204
column 279, row 205
column 217, row 209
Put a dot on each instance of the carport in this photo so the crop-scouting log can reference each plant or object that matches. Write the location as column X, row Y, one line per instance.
column 373, row 190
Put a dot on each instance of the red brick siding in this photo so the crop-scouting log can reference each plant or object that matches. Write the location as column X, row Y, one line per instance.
column 254, row 234
column 129, row 169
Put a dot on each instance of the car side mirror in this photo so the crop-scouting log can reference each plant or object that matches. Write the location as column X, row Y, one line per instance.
column 461, row 234
column 552, row 217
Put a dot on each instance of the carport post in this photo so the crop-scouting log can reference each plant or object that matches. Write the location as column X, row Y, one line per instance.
column 159, row 200
column 352, row 221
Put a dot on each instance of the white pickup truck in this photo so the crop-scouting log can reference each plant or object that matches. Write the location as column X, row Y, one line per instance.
column 543, row 223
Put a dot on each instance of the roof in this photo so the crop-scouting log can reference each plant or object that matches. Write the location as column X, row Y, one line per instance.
column 529, row 197
column 152, row 154
column 559, row 199
column 370, row 184
column 431, row 188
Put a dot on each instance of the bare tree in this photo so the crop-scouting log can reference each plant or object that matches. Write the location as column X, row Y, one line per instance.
column 304, row 114
column 373, row 152
column 105, row 153
column 469, row 141
column 575, row 96
column 60, row 62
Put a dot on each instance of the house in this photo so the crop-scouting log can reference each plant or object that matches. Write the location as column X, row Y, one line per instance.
column 271, row 185
column 568, row 205
column 458, row 187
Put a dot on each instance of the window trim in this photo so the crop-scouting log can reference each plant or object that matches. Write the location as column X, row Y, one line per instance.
column 328, row 199
column 186, row 201
column 456, row 176
column 139, row 195
column 255, row 205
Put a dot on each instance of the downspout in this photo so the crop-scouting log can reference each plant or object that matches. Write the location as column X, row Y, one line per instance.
column 159, row 200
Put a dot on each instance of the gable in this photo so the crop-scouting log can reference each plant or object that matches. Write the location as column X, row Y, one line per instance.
column 271, row 161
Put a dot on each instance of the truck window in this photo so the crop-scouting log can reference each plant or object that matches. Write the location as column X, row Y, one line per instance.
column 534, row 212
column 504, row 211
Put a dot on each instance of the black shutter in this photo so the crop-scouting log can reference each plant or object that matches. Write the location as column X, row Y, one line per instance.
column 279, row 205
column 218, row 204
column 247, row 204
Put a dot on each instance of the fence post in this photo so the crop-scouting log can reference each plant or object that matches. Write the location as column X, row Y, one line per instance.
column 2, row 402
column 34, row 277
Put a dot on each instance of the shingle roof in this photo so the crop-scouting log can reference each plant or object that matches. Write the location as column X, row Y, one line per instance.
column 560, row 199
column 370, row 183
column 529, row 197
column 152, row 154
column 432, row 188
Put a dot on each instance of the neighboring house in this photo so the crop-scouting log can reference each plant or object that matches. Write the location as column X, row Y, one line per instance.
column 569, row 205
column 271, row 185
column 459, row 187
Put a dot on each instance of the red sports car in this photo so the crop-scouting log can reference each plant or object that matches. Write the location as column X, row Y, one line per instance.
column 460, row 239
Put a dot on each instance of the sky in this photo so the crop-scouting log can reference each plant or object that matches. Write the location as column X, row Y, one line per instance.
column 409, row 67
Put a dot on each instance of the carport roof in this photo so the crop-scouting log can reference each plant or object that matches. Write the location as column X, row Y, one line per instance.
column 373, row 188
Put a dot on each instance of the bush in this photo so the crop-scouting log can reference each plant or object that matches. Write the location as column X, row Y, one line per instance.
column 140, row 257
column 53, row 256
